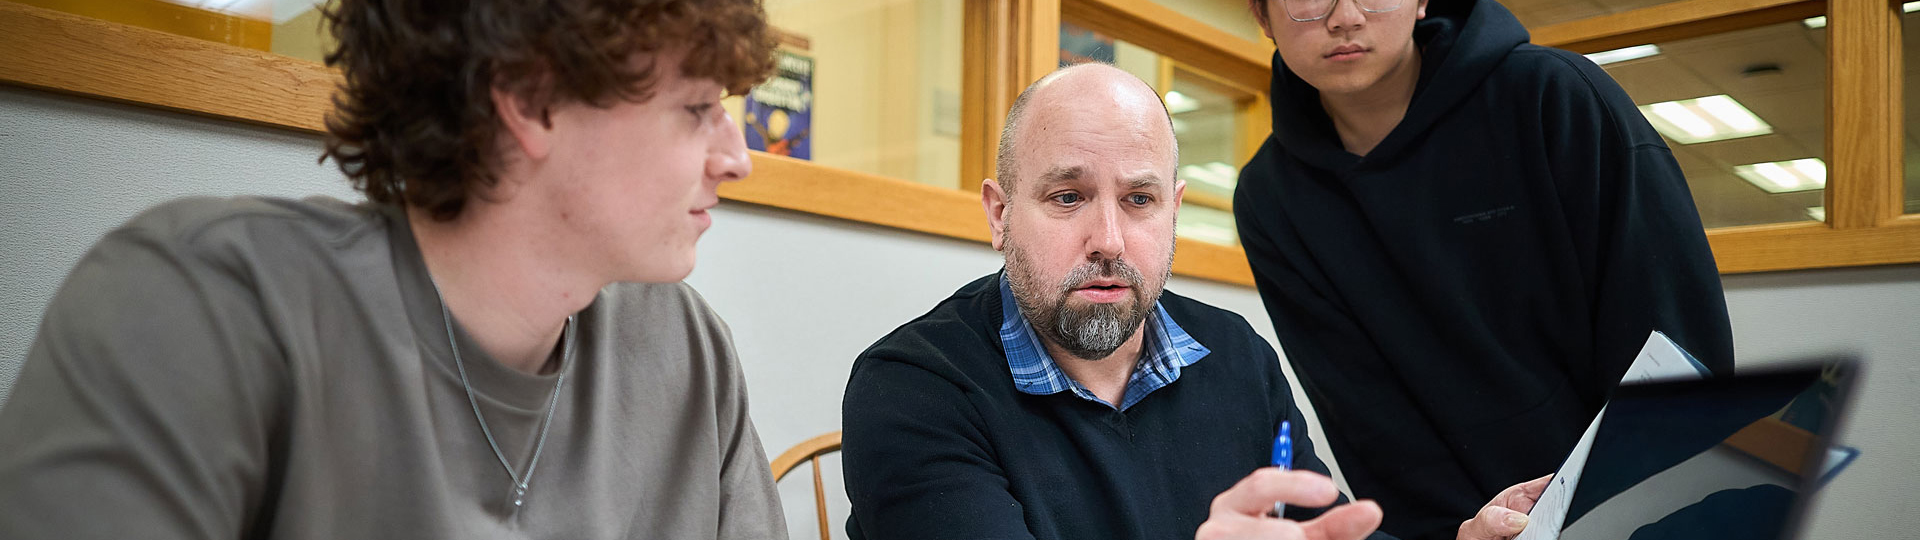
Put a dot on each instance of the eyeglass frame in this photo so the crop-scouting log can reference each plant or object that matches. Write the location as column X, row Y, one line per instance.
column 1336, row 5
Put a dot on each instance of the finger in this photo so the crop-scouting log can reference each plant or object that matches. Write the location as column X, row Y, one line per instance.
column 1530, row 493
column 1243, row 527
column 1255, row 494
column 1521, row 497
column 1345, row 522
column 1493, row 522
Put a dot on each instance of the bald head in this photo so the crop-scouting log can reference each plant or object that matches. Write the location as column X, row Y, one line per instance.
column 1080, row 97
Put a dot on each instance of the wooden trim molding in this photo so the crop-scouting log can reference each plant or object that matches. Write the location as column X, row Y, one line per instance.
column 1776, row 442
column 1672, row 21
column 1008, row 44
column 63, row 52
column 1158, row 28
column 171, row 17
column 1864, row 106
column 1796, row 246
column 804, row 186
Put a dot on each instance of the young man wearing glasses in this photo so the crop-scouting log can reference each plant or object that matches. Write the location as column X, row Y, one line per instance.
column 1462, row 240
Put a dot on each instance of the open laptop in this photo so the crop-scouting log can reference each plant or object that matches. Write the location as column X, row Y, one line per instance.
column 1735, row 457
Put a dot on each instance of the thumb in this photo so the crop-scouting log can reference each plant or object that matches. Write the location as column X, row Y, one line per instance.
column 1352, row 521
column 1493, row 522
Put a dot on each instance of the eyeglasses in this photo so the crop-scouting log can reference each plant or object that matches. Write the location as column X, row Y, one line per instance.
column 1323, row 8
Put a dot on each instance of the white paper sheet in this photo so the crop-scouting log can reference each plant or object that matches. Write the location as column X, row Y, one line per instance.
column 1660, row 360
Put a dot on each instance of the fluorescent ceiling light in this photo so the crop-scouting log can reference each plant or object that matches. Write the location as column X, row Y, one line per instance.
column 1786, row 176
column 1706, row 119
column 1635, row 52
column 1821, row 21
column 1179, row 103
column 1216, row 173
column 1818, row 213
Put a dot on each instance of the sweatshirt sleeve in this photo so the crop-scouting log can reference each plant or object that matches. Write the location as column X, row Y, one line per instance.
column 1648, row 263
column 749, row 501
column 917, row 462
column 146, row 407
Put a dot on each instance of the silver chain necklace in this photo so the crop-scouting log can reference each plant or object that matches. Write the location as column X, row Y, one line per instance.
column 566, row 355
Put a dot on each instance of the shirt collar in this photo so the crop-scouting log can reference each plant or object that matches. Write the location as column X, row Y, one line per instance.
column 1167, row 348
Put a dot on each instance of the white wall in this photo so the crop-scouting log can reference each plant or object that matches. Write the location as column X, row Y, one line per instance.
column 1873, row 312
column 70, row 170
column 805, row 294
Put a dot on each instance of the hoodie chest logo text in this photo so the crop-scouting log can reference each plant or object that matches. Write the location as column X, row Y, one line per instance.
column 1483, row 216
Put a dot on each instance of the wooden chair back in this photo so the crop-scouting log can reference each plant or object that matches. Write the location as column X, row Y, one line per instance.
column 810, row 450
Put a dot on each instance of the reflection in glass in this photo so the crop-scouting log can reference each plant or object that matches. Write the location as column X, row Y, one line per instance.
column 884, row 95
column 1213, row 121
column 286, row 27
column 1742, row 113
column 1910, row 56
column 1709, row 459
column 1232, row 16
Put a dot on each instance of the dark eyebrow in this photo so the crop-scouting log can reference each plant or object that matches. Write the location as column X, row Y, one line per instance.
column 1143, row 180
column 1061, row 174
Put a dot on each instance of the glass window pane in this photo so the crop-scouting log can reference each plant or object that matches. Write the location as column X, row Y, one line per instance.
column 288, row 27
column 1744, row 113
column 1232, row 16
column 1210, row 122
column 882, row 95
column 867, row 85
column 1910, row 34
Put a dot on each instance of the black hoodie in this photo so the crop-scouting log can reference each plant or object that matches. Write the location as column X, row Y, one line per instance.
column 1459, row 302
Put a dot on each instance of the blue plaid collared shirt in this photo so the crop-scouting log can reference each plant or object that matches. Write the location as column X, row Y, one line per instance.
column 1167, row 348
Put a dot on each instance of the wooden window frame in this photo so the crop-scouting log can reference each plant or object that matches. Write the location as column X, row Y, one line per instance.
column 1865, row 225
column 1009, row 43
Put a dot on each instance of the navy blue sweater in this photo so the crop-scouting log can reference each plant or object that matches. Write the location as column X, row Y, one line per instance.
column 1459, row 302
column 939, row 443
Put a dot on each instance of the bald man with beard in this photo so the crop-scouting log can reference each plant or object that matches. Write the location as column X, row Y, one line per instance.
column 1069, row 395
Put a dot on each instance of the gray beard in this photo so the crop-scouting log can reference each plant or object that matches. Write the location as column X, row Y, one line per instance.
column 1095, row 332
column 1089, row 333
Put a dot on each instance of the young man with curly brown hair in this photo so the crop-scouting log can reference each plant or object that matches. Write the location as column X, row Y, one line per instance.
column 495, row 345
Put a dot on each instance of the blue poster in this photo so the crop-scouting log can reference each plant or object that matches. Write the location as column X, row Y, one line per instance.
column 779, row 112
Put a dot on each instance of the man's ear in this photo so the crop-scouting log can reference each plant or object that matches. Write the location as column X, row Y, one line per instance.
column 1179, row 193
column 993, row 199
column 1422, row 13
column 531, row 127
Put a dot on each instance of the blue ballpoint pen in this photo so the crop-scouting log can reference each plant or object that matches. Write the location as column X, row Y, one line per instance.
column 1283, row 458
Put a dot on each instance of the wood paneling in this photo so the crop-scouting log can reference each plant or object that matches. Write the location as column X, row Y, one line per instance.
column 1767, row 248
column 793, row 184
column 1672, row 21
column 1008, row 45
column 1863, row 112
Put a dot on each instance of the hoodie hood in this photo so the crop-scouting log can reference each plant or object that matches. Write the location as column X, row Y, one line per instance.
column 1460, row 41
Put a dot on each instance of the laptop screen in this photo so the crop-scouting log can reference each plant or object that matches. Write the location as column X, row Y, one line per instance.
column 1706, row 459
